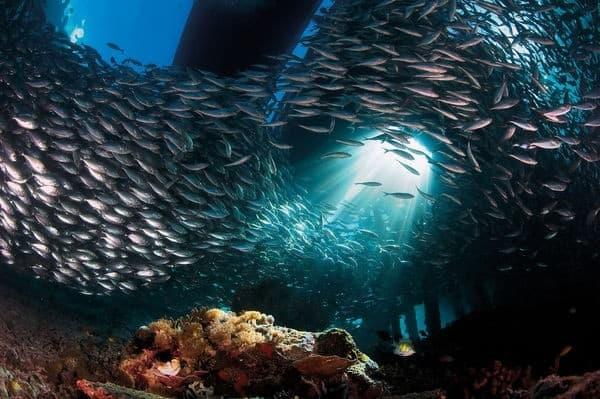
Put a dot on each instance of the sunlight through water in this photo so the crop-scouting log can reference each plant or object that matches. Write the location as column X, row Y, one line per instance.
column 376, row 164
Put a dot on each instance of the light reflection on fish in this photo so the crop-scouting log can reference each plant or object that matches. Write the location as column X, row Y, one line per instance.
column 114, row 180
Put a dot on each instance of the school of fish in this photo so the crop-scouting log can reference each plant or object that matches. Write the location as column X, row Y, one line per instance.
column 112, row 179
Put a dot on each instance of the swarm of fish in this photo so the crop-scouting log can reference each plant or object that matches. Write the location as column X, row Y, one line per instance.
column 504, row 92
column 114, row 179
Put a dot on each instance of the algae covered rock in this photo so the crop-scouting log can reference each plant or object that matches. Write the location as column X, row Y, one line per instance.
column 337, row 342
column 246, row 354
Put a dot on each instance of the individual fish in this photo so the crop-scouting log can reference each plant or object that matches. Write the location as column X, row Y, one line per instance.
column 546, row 144
column 557, row 186
column 452, row 167
column 425, row 195
column 240, row 161
column 410, row 168
column 478, row 124
column 523, row 158
column 404, row 348
column 472, row 158
column 400, row 195
column 26, row 122
column 115, row 47
column 281, row 146
column 369, row 183
column 527, row 126
column 319, row 129
column 422, row 91
column 507, row 103
column 336, row 155
column 353, row 143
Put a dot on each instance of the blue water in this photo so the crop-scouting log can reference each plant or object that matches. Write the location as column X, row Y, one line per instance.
column 147, row 30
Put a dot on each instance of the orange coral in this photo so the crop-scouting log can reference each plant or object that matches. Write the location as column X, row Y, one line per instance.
column 93, row 392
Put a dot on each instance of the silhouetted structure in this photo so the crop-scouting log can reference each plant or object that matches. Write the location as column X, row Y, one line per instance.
column 228, row 36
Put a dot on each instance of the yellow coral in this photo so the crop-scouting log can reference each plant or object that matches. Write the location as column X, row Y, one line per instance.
column 254, row 317
column 215, row 314
column 276, row 336
column 220, row 334
column 230, row 331
column 250, row 315
column 247, row 337
column 192, row 344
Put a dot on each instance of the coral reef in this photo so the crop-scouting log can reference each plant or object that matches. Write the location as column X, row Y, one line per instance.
column 45, row 354
column 214, row 352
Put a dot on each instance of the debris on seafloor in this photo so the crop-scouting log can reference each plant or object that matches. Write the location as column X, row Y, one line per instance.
column 43, row 351
column 214, row 352
column 16, row 385
column 586, row 386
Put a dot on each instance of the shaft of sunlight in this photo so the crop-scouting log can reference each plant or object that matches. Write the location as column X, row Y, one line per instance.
column 376, row 163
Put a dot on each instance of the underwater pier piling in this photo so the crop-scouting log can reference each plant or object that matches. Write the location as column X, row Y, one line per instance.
column 220, row 37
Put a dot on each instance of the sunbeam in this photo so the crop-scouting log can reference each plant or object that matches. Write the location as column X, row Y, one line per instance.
column 364, row 185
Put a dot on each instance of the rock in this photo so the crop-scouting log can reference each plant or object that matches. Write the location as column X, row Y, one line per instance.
column 586, row 386
column 337, row 342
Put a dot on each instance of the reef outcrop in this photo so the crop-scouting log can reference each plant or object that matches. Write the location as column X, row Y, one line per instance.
column 215, row 352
